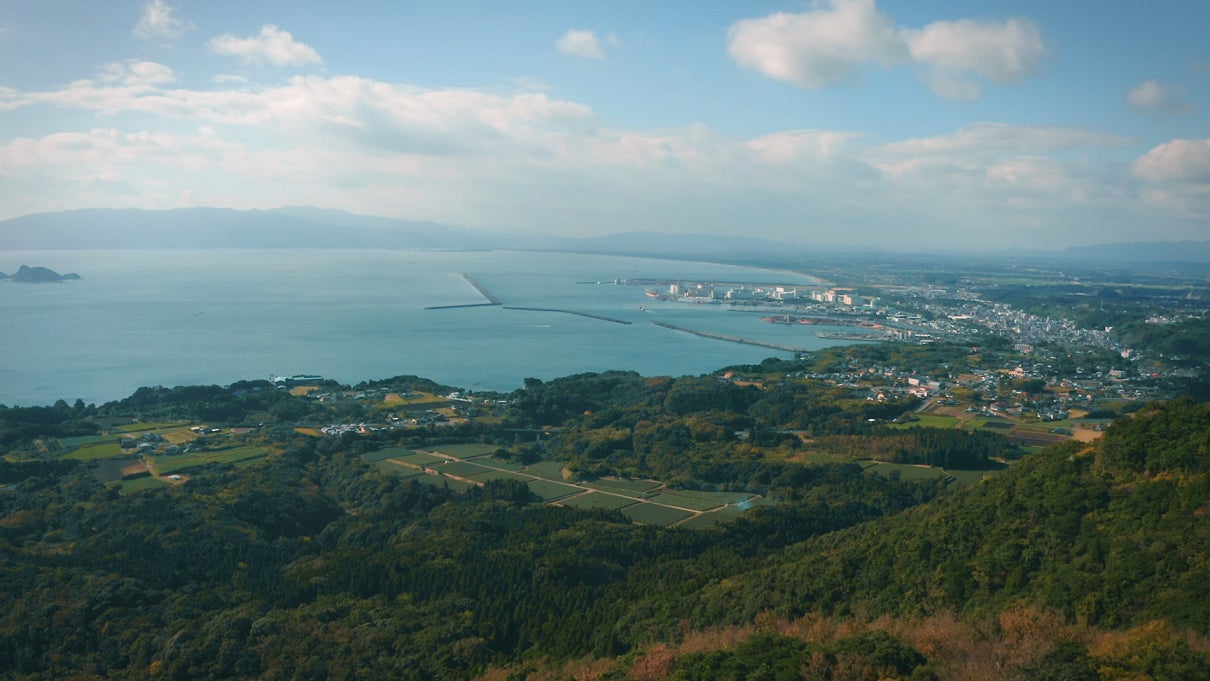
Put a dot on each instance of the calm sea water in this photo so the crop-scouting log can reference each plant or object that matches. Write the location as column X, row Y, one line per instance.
column 213, row 317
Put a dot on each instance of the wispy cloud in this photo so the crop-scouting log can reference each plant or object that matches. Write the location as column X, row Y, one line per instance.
column 159, row 22
column 831, row 45
column 583, row 43
column 1151, row 96
column 272, row 45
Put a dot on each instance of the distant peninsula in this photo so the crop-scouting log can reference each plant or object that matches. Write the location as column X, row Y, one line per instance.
column 38, row 275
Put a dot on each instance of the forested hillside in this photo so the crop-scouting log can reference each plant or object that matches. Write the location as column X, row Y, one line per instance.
column 1080, row 561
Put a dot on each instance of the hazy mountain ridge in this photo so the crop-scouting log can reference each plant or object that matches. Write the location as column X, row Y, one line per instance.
column 309, row 227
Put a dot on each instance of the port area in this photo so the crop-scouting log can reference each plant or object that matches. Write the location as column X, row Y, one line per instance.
column 729, row 339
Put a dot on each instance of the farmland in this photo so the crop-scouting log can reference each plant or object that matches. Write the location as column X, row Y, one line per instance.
column 643, row 501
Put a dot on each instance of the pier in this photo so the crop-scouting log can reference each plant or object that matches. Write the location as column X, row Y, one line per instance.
column 491, row 299
column 575, row 312
column 729, row 339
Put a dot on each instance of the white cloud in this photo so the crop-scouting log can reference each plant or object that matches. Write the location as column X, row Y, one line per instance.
column 952, row 51
column 1152, row 96
column 530, row 160
column 820, row 48
column 134, row 72
column 159, row 22
column 1178, row 161
column 830, row 46
column 580, row 43
column 272, row 45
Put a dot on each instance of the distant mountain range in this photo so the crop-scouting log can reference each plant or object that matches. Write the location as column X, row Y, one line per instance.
column 306, row 227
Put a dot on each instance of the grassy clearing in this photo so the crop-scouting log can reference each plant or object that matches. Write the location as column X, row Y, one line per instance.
column 172, row 464
column 906, row 471
column 397, row 468
column 598, row 500
column 100, row 450
column 651, row 514
column 549, row 491
column 465, row 451
column 139, row 484
column 928, row 421
column 141, row 427
column 83, row 441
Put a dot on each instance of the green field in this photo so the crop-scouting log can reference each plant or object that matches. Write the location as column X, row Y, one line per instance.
column 713, row 518
column 549, row 491
column 691, row 503
column 598, row 500
column 462, row 469
column 399, row 469
column 389, row 453
column 140, row 427
column 465, row 451
column 633, row 487
column 928, row 421
column 172, row 464
column 100, row 450
column 421, row 459
column 651, row 514
column 140, row 484
column 550, row 470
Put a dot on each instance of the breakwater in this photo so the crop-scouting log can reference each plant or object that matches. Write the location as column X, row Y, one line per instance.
column 729, row 339
column 491, row 298
column 575, row 312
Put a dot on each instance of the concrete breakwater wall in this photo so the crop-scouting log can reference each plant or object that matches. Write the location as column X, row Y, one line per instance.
column 729, row 339
column 575, row 312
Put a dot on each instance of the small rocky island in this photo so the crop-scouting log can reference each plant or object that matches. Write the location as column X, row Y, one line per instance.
column 38, row 275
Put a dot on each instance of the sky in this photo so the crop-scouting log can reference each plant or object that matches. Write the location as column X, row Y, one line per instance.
column 918, row 124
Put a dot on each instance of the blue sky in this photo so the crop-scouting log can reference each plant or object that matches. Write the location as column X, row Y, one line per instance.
column 958, row 125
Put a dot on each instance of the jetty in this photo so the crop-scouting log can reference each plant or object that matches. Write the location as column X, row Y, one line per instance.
column 575, row 312
column 491, row 299
column 729, row 339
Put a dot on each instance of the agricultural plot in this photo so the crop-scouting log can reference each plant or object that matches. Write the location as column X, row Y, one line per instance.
column 548, row 470
column 389, row 453
column 400, row 469
column 421, row 459
column 928, row 421
column 465, row 451
column 706, row 520
column 598, row 500
column 462, row 469
column 139, row 484
column 652, row 514
column 141, row 427
column 93, row 452
column 171, row 464
column 549, row 491
column 632, row 487
column 906, row 471
column 691, row 503
column 442, row 481
column 487, row 475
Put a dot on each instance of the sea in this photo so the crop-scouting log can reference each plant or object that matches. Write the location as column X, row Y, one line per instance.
column 201, row 317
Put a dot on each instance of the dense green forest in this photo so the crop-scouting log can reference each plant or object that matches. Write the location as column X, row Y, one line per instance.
column 1081, row 561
